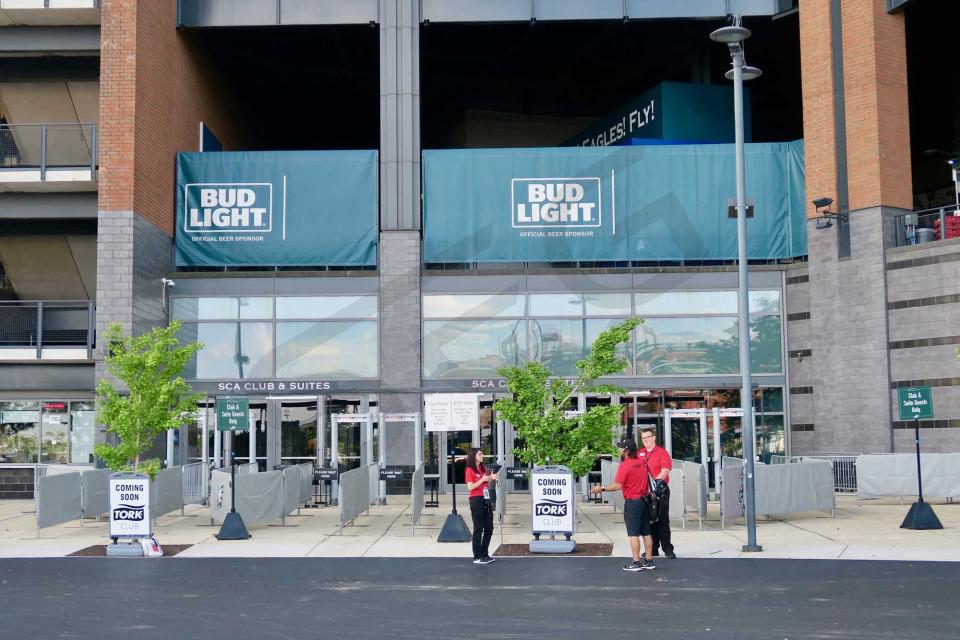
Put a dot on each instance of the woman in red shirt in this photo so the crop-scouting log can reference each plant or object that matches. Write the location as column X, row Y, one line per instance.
column 481, row 509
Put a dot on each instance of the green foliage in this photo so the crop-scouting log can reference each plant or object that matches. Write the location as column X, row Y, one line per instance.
column 159, row 399
column 538, row 402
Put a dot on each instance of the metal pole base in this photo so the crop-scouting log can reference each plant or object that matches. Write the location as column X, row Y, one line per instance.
column 454, row 530
column 751, row 548
column 921, row 516
column 233, row 528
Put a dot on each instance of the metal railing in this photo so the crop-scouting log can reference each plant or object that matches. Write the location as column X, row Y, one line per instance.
column 48, row 146
column 844, row 470
column 196, row 476
column 928, row 225
column 40, row 324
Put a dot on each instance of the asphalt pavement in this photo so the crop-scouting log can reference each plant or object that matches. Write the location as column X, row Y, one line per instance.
column 450, row 598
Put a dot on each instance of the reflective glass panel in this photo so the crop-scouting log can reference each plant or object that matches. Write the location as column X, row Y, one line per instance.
column 472, row 348
column 256, row 308
column 765, row 301
column 579, row 304
column 770, row 437
column 82, row 427
column 472, row 306
column 231, row 350
column 298, row 429
column 766, row 355
column 335, row 350
column 323, row 307
column 664, row 303
column 54, row 430
column 558, row 343
column 19, row 428
column 205, row 309
column 596, row 327
column 677, row 346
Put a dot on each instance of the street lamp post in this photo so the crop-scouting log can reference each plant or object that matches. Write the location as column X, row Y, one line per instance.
column 733, row 37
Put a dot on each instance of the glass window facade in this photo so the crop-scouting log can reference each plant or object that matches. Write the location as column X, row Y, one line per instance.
column 334, row 337
column 683, row 333
column 47, row 432
column 472, row 348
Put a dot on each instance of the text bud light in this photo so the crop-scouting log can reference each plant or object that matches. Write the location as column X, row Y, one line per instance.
column 558, row 202
column 234, row 208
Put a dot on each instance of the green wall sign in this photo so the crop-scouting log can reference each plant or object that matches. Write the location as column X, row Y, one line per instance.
column 233, row 414
column 915, row 402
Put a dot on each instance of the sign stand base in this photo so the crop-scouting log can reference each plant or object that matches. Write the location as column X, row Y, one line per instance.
column 124, row 550
column 233, row 528
column 552, row 546
column 454, row 530
column 921, row 516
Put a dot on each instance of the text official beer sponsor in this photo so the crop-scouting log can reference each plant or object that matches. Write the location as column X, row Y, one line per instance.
column 130, row 506
column 552, row 495
column 228, row 208
column 562, row 207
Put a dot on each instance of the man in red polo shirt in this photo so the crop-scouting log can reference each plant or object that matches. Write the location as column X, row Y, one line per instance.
column 632, row 478
column 659, row 463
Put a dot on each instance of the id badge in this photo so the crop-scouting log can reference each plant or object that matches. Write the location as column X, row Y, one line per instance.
column 486, row 493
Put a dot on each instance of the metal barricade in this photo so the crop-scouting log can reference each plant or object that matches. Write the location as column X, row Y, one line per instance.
column 196, row 478
column 416, row 497
column 354, row 494
column 844, row 470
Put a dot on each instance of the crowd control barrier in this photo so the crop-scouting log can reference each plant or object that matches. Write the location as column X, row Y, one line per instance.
column 58, row 499
column 416, row 497
column 291, row 491
column 195, row 483
column 306, row 482
column 374, row 471
column 731, row 489
column 895, row 475
column 166, row 492
column 794, row 488
column 844, row 469
column 608, row 471
column 355, row 493
column 94, row 493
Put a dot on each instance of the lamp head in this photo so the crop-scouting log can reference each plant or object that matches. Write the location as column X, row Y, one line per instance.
column 749, row 73
column 167, row 282
column 822, row 202
column 730, row 35
column 824, row 223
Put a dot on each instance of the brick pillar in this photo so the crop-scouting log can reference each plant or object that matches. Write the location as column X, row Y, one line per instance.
column 848, row 315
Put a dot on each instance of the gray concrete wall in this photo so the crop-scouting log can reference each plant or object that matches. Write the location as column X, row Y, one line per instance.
column 848, row 339
column 923, row 283
column 399, row 266
column 132, row 256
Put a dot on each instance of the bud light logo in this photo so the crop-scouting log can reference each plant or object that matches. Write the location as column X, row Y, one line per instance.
column 554, row 508
column 128, row 513
column 228, row 208
column 555, row 202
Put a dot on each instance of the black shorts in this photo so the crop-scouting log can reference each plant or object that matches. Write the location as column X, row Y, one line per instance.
column 636, row 515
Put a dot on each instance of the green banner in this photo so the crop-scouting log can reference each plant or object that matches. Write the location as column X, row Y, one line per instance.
column 650, row 204
column 277, row 208
column 233, row 414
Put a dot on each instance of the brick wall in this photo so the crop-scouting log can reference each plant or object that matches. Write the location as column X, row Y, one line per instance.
column 875, row 96
column 155, row 87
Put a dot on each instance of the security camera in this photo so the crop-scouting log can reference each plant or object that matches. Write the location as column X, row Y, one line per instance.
column 820, row 203
column 167, row 282
column 824, row 223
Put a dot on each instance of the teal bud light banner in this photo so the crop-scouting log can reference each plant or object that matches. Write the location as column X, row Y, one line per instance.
column 628, row 203
column 276, row 208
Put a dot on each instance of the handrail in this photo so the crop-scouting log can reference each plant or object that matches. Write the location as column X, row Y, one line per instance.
column 48, row 323
column 48, row 145
column 938, row 223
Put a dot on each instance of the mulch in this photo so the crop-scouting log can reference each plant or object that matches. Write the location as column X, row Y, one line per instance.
column 100, row 550
column 582, row 549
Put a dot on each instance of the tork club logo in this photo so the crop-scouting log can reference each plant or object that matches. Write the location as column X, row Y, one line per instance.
column 228, row 208
column 555, row 203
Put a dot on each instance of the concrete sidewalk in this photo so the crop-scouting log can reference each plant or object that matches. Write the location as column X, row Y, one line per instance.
column 866, row 530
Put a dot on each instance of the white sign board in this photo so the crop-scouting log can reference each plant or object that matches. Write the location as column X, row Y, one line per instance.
column 552, row 494
column 350, row 417
column 130, row 505
column 452, row 412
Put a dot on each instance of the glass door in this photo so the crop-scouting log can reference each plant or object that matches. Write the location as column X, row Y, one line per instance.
column 251, row 445
column 349, row 435
column 298, row 431
column 82, row 426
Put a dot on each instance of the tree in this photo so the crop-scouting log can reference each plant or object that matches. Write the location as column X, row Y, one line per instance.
column 538, row 401
column 159, row 399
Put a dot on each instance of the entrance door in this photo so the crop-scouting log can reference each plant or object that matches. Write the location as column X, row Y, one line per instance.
column 350, row 436
column 299, row 433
